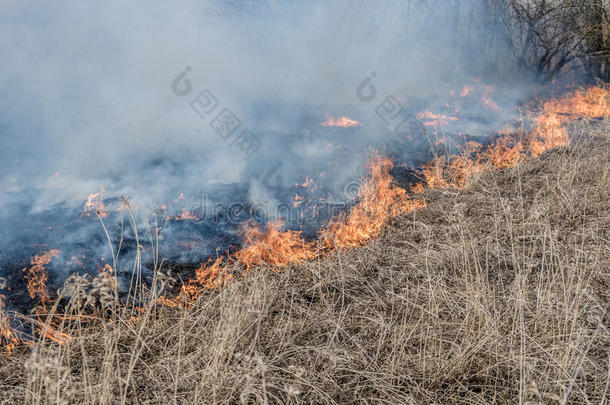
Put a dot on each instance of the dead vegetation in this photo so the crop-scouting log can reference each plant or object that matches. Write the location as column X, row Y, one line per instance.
column 495, row 293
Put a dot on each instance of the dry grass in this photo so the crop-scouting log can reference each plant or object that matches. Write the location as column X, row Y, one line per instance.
column 495, row 293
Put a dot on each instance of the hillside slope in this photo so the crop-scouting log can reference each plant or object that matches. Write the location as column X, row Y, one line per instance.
column 495, row 293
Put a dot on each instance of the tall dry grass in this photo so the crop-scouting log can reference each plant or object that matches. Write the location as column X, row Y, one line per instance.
column 497, row 293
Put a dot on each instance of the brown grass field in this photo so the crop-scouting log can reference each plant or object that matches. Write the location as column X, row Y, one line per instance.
column 497, row 293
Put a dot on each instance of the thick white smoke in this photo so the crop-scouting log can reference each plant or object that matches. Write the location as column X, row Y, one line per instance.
column 87, row 101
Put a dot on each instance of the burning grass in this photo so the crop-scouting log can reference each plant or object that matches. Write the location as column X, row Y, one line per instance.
column 494, row 293
column 341, row 122
column 489, row 285
column 379, row 197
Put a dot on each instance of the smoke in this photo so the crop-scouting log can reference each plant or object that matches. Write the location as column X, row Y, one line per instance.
column 87, row 99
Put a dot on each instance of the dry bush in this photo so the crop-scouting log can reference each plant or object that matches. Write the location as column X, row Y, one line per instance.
column 550, row 38
column 495, row 293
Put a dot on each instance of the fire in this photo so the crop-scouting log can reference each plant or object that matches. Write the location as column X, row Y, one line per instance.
column 378, row 199
column 505, row 151
column 297, row 200
column 8, row 337
column 186, row 215
column 37, row 276
column 51, row 333
column 274, row 246
column 95, row 204
column 212, row 276
column 435, row 120
column 207, row 276
column 511, row 147
column 465, row 91
column 341, row 122
column 549, row 131
column 310, row 184
column 486, row 98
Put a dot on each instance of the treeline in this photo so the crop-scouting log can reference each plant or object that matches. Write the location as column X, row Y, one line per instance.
column 550, row 39
column 547, row 39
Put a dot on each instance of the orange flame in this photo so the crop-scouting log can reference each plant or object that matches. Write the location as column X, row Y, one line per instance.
column 207, row 276
column 549, row 131
column 95, row 204
column 511, row 147
column 378, row 199
column 465, row 91
column 297, row 200
column 37, row 276
column 434, row 120
column 274, row 246
column 186, row 215
column 486, row 98
column 341, row 122
column 8, row 337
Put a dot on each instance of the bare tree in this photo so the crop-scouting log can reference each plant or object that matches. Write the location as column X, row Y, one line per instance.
column 554, row 37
